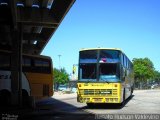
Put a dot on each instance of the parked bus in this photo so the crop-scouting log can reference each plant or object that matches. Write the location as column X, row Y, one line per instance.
column 37, row 77
column 105, row 75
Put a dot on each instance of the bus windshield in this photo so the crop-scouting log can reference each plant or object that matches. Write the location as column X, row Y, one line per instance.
column 109, row 72
column 89, row 56
column 88, row 72
column 109, row 56
column 99, row 65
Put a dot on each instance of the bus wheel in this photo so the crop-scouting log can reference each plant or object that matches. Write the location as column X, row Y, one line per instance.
column 27, row 101
column 25, row 98
column 5, row 98
column 131, row 91
column 123, row 97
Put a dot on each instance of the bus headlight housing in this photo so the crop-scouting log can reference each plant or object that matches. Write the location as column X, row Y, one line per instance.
column 112, row 100
column 86, row 99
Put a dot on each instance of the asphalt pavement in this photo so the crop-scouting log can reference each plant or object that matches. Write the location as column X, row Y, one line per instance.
column 65, row 106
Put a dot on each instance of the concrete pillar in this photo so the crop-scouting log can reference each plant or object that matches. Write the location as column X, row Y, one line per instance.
column 16, row 67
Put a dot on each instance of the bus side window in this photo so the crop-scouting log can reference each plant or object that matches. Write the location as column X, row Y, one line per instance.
column 123, row 69
column 126, row 62
column 122, row 59
column 42, row 66
column 46, row 67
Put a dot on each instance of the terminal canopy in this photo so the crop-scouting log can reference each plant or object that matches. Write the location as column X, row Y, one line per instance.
column 35, row 20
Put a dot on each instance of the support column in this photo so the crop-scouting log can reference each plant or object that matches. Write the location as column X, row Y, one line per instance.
column 16, row 67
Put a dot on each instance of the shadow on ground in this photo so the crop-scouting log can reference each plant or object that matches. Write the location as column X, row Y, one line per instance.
column 49, row 109
column 53, row 109
column 109, row 106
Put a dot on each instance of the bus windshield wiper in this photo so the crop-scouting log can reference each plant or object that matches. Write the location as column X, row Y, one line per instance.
column 102, row 79
column 89, row 80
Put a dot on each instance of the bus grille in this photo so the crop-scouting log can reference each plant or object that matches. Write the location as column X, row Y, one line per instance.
column 97, row 92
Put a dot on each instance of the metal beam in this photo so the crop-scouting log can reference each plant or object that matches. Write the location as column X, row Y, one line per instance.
column 46, row 33
column 15, row 68
column 30, row 46
column 45, row 3
column 35, row 24
column 28, row 3
column 30, row 49
column 20, row 48
column 36, row 17
column 60, row 8
column 39, row 22
column 14, row 13
column 33, row 36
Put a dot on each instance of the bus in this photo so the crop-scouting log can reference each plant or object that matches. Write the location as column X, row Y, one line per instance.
column 37, row 77
column 105, row 75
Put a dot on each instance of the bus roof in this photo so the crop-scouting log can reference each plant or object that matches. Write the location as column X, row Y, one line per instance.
column 99, row 48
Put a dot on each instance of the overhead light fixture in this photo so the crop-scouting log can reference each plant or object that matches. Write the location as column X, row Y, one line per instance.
column 4, row 3
column 35, row 6
column 20, row 4
column 35, row 42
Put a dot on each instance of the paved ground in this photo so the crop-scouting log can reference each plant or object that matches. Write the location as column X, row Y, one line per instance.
column 65, row 106
column 142, row 101
column 61, row 95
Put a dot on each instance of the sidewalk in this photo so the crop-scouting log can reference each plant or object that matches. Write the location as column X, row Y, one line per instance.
column 60, row 95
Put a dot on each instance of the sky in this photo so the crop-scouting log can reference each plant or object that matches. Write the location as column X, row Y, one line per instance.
column 131, row 25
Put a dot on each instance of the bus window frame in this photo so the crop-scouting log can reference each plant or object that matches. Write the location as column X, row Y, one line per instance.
column 37, row 69
column 40, row 69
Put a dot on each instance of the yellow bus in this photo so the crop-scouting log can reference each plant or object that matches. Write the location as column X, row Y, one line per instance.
column 105, row 75
column 37, row 77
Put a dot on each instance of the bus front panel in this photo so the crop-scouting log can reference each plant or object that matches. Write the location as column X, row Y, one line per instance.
column 99, row 92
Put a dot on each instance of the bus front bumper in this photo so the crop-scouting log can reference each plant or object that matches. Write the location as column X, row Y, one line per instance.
column 98, row 99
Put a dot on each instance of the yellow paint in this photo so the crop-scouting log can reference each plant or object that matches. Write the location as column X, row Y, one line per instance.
column 89, row 92
column 36, row 82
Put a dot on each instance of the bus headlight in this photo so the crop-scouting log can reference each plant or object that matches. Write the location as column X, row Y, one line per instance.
column 79, row 99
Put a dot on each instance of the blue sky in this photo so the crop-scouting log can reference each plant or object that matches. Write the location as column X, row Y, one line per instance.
column 131, row 25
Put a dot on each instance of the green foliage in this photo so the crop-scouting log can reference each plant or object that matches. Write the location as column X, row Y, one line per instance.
column 157, row 76
column 60, row 77
column 143, row 70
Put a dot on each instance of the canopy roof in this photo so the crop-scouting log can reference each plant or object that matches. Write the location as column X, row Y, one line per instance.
column 36, row 20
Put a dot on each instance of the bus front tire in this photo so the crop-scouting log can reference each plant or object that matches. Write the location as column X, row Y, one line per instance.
column 5, row 98
column 90, row 105
column 27, row 101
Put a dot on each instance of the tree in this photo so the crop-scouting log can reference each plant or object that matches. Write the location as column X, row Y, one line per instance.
column 143, row 70
column 157, row 76
column 60, row 77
